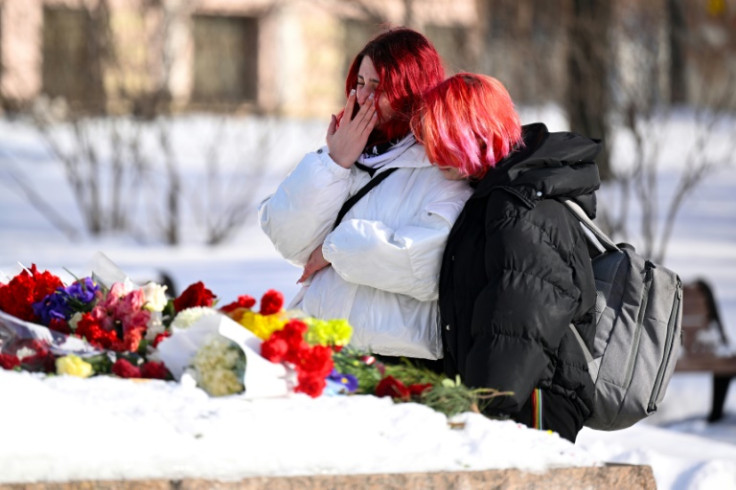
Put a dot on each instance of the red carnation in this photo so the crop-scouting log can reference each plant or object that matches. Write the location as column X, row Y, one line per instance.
column 295, row 351
column 89, row 328
column 42, row 361
column 60, row 325
column 26, row 288
column 195, row 295
column 310, row 384
column 271, row 302
column 124, row 369
column 418, row 388
column 274, row 349
column 154, row 370
column 293, row 335
column 390, row 386
column 131, row 340
column 8, row 361
column 316, row 360
column 295, row 329
column 243, row 301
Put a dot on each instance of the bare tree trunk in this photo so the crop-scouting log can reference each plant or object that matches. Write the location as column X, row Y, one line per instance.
column 99, row 52
column 677, row 35
column 117, row 168
column 409, row 17
column 588, row 100
column 173, row 193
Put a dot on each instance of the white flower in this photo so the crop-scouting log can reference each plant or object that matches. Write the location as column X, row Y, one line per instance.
column 74, row 320
column 219, row 366
column 24, row 352
column 155, row 295
column 186, row 318
column 155, row 326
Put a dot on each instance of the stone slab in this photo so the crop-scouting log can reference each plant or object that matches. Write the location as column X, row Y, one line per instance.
column 611, row 476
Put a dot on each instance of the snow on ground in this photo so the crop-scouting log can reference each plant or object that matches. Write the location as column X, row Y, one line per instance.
column 66, row 428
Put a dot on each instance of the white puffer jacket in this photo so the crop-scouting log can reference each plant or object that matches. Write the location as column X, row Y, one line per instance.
column 386, row 252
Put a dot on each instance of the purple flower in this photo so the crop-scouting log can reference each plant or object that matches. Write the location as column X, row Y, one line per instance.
column 349, row 381
column 80, row 296
column 83, row 292
column 52, row 306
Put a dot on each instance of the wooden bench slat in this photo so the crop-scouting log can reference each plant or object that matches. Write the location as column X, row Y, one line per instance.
column 715, row 365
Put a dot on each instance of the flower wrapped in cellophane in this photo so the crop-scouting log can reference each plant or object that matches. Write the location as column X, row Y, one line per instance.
column 268, row 352
column 219, row 367
column 304, row 344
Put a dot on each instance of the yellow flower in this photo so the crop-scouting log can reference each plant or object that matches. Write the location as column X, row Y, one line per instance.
column 262, row 326
column 331, row 332
column 341, row 331
column 74, row 366
column 318, row 333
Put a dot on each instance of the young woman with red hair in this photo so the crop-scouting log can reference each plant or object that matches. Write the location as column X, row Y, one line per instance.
column 376, row 263
column 516, row 271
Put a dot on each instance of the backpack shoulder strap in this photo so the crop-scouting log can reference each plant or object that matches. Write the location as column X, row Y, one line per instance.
column 603, row 239
column 362, row 192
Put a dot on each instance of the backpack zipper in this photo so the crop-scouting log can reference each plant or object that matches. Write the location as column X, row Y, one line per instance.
column 639, row 321
column 652, row 405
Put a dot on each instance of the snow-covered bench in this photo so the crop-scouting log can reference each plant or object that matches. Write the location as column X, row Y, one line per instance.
column 705, row 344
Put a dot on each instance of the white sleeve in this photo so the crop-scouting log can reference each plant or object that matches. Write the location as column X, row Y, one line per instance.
column 303, row 209
column 404, row 260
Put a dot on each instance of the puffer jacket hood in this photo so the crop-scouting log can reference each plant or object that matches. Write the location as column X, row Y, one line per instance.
column 553, row 165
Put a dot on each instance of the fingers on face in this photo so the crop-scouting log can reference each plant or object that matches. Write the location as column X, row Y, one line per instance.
column 370, row 120
column 367, row 110
column 366, row 117
column 354, row 98
column 350, row 104
column 333, row 125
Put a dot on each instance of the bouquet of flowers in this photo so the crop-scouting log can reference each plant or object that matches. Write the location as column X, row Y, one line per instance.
column 317, row 352
column 306, row 345
column 87, row 327
column 219, row 367
column 83, row 328
column 277, row 352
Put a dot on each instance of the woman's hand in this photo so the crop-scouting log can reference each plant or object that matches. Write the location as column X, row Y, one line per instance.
column 315, row 264
column 346, row 141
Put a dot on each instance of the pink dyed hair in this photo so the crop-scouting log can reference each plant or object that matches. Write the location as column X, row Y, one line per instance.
column 408, row 65
column 468, row 122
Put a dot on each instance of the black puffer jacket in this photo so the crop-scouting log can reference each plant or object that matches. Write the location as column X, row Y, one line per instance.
column 516, row 272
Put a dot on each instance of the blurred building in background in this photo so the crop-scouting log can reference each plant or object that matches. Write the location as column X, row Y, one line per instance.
column 289, row 57
column 286, row 57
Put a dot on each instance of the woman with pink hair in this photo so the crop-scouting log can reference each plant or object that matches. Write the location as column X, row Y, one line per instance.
column 516, row 272
column 372, row 258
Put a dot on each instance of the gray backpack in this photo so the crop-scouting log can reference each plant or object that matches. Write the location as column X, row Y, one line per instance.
column 638, row 332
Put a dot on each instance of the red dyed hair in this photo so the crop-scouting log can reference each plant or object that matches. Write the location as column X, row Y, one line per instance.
column 468, row 122
column 408, row 65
